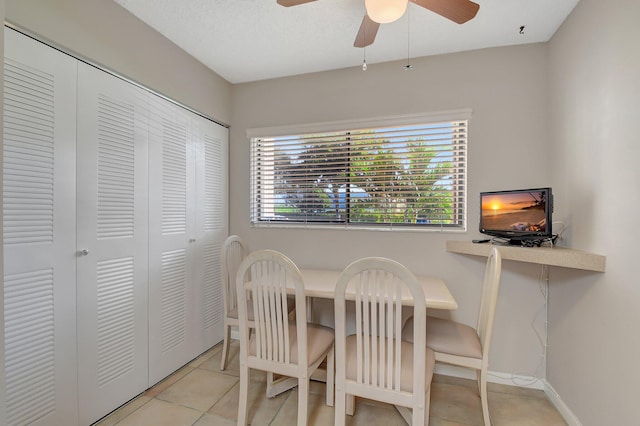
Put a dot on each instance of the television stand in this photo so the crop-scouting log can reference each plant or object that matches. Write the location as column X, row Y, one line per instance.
column 552, row 256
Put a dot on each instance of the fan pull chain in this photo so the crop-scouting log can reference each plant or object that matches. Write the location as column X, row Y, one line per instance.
column 364, row 60
column 364, row 50
column 408, row 66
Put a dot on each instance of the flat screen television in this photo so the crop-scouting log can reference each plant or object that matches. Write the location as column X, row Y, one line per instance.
column 520, row 217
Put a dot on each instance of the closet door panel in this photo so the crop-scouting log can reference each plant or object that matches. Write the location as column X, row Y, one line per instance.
column 112, row 242
column 212, row 229
column 172, row 238
column 39, row 233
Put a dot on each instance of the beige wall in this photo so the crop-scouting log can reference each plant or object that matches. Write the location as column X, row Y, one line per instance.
column 594, row 343
column 506, row 88
column 107, row 34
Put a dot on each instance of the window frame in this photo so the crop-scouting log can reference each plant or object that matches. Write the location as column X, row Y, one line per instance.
column 374, row 123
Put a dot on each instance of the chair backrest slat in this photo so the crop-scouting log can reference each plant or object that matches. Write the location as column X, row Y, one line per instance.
column 361, row 329
column 397, row 331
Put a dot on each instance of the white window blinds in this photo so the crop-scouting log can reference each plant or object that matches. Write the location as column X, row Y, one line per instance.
column 407, row 175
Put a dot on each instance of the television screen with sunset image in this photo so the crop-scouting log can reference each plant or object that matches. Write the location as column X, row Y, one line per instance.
column 517, row 213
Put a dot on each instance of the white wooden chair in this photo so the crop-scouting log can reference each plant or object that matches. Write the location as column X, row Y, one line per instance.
column 233, row 252
column 279, row 346
column 374, row 362
column 459, row 344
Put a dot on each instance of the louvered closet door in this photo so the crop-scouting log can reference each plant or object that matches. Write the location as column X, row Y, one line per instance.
column 173, row 333
column 39, row 234
column 211, row 221
column 112, row 228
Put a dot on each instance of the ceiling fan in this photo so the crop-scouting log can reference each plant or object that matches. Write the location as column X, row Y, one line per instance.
column 458, row 11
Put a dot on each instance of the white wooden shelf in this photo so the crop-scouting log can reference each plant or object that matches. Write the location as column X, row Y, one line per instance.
column 553, row 256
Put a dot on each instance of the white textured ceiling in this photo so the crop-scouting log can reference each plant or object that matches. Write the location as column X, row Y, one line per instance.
column 250, row 40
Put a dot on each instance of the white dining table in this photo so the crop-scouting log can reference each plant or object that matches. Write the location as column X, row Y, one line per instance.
column 321, row 283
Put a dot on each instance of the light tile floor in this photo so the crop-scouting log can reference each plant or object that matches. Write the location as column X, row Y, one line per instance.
column 199, row 394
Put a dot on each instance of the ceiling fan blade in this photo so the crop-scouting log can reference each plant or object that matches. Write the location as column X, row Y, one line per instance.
column 366, row 33
column 288, row 3
column 459, row 11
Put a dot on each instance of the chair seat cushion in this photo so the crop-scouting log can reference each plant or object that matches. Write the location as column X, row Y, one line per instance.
column 319, row 340
column 449, row 337
column 406, row 374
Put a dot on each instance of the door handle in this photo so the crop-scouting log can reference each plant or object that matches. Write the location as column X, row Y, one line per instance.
column 84, row 252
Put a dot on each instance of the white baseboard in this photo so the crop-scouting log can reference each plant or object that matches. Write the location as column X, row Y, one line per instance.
column 565, row 411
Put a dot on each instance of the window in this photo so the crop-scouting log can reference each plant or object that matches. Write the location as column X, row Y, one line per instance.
column 402, row 174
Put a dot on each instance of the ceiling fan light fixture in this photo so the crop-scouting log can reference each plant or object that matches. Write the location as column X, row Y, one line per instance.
column 385, row 11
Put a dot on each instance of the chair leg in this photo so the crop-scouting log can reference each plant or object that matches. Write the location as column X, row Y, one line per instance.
column 427, row 406
column 340, row 408
column 330, row 376
column 303, row 398
column 406, row 413
column 417, row 416
column 351, row 404
column 225, row 347
column 277, row 386
column 414, row 416
column 244, row 395
column 482, row 385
